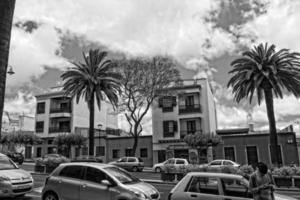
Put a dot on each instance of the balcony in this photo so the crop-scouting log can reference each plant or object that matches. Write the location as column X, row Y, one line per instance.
column 60, row 110
column 194, row 108
column 183, row 133
column 59, row 129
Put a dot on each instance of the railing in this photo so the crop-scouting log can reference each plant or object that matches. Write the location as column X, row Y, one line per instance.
column 183, row 133
column 59, row 110
column 39, row 130
column 59, row 129
column 190, row 108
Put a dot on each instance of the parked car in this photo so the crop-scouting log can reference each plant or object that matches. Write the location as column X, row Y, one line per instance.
column 87, row 159
column 220, row 163
column 208, row 186
column 172, row 162
column 16, row 157
column 52, row 157
column 13, row 181
column 94, row 181
column 130, row 163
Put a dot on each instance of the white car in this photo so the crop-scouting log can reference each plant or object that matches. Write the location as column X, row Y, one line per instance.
column 13, row 181
column 172, row 162
column 214, row 186
column 220, row 163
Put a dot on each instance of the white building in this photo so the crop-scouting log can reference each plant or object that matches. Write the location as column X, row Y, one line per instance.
column 188, row 108
column 17, row 122
column 57, row 114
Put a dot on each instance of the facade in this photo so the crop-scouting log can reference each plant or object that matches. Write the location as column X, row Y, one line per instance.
column 57, row 114
column 185, row 108
column 249, row 147
column 121, row 146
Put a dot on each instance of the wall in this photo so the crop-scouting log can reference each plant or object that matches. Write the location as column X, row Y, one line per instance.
column 123, row 143
column 239, row 142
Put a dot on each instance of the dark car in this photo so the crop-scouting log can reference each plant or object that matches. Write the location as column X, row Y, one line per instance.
column 87, row 159
column 16, row 157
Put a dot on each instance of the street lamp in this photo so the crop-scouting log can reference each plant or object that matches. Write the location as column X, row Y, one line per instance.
column 10, row 70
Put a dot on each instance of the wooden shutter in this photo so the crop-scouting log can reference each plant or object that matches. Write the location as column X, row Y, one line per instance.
column 166, row 126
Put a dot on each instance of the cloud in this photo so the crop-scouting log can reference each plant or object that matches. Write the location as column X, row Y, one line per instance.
column 31, row 52
column 22, row 103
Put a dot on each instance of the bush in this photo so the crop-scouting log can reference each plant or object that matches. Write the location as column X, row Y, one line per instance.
column 50, row 163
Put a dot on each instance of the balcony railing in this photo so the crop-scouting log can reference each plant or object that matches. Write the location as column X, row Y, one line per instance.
column 190, row 108
column 59, row 129
column 183, row 133
column 60, row 110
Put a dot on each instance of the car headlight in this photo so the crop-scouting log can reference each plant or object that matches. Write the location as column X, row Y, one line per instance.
column 140, row 195
column 4, row 178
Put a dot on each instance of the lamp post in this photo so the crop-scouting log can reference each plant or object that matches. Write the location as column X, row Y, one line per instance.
column 100, row 128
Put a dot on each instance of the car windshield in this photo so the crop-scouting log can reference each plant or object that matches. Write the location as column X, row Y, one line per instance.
column 121, row 175
column 6, row 163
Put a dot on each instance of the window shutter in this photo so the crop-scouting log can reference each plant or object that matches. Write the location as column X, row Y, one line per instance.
column 174, row 100
column 160, row 102
column 166, row 126
column 175, row 127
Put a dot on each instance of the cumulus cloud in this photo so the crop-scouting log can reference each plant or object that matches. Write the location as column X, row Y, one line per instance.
column 22, row 103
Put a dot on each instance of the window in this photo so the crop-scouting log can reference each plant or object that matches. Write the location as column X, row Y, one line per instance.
column 94, row 175
column 229, row 153
column 123, row 160
column 144, row 153
column 180, row 162
column 227, row 163
column 170, row 161
column 100, row 151
column 128, row 152
column 217, row 162
column 131, row 160
column 206, row 185
column 191, row 126
column 280, row 154
column 235, row 188
column 39, row 152
column 167, row 103
column 72, row 172
column 39, row 127
column 50, row 141
column 169, row 128
column 189, row 100
column 85, row 151
column 252, row 155
column 115, row 153
column 40, row 108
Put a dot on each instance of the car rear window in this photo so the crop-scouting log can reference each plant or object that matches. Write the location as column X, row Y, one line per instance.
column 227, row 163
column 131, row 160
column 72, row 172
column 180, row 162
column 216, row 163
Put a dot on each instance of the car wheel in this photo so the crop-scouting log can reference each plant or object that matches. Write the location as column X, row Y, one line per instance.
column 50, row 196
column 135, row 169
column 157, row 169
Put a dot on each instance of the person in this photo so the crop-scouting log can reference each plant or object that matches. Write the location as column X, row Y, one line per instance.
column 261, row 183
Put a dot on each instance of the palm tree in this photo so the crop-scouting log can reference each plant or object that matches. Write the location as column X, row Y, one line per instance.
column 92, row 80
column 266, row 73
column 7, row 8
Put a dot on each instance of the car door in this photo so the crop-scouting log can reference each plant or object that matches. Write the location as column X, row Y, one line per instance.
column 131, row 162
column 234, row 189
column 215, row 164
column 179, row 164
column 202, row 188
column 92, row 187
column 69, row 181
column 170, row 165
column 122, row 162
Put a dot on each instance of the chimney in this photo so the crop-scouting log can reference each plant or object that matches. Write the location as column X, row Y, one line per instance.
column 250, row 123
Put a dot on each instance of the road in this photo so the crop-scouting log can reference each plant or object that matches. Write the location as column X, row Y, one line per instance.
column 164, row 189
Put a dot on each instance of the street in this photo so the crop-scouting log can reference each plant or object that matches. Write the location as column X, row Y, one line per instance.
column 163, row 188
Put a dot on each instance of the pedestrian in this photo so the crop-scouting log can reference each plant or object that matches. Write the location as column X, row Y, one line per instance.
column 261, row 183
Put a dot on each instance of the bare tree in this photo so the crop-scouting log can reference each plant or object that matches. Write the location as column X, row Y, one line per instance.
column 142, row 78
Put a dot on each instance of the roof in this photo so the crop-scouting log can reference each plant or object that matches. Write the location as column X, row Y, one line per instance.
column 232, row 131
column 87, row 164
column 217, row 175
column 50, row 94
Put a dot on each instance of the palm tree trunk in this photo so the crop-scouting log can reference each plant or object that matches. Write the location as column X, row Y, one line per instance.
column 91, row 128
column 272, row 127
column 7, row 8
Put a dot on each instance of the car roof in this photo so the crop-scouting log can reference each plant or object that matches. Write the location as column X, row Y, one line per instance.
column 216, row 175
column 1, row 154
column 88, row 164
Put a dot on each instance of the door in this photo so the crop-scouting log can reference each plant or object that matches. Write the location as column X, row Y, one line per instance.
column 202, row 188
column 179, row 164
column 161, row 156
column 92, row 187
column 69, row 182
column 122, row 162
column 28, row 151
column 252, row 156
column 234, row 189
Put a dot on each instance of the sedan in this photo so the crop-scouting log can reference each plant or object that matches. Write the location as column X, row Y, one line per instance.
column 13, row 181
column 94, row 181
column 211, row 186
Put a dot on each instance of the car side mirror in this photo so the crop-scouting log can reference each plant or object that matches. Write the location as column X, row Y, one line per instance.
column 106, row 183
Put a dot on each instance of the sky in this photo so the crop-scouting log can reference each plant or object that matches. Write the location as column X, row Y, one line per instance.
column 204, row 36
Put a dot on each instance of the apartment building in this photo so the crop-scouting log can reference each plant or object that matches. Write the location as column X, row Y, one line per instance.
column 57, row 114
column 185, row 108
